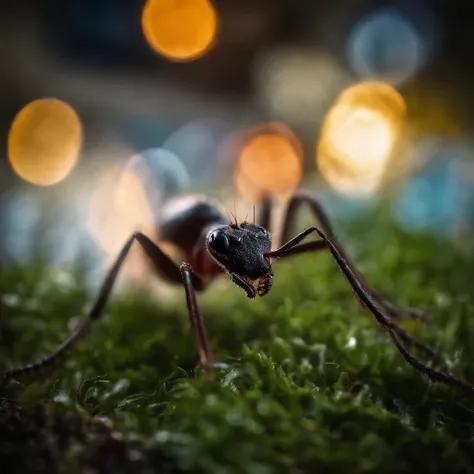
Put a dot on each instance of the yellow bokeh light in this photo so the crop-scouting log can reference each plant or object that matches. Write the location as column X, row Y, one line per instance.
column 359, row 136
column 180, row 30
column 268, row 161
column 44, row 141
column 365, row 137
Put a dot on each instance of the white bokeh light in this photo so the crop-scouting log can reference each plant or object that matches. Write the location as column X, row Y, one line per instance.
column 297, row 85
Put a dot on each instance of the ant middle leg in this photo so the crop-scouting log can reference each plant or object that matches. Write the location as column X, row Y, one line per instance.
column 161, row 262
column 300, row 199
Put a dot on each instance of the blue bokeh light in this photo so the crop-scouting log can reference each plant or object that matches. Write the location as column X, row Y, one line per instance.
column 162, row 173
column 197, row 144
column 439, row 196
column 143, row 131
column 392, row 44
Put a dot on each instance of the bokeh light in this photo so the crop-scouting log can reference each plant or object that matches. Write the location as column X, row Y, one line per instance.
column 48, row 222
column 22, row 216
column 180, row 30
column 119, row 206
column 391, row 44
column 269, row 161
column 359, row 136
column 297, row 85
column 144, row 131
column 161, row 173
column 439, row 195
column 197, row 144
column 44, row 141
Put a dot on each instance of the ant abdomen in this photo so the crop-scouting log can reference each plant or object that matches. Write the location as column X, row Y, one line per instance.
column 183, row 219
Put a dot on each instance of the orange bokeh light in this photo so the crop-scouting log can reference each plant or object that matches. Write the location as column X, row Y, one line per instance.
column 359, row 136
column 44, row 141
column 269, row 161
column 180, row 30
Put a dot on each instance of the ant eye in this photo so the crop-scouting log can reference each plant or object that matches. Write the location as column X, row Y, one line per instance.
column 218, row 241
column 260, row 233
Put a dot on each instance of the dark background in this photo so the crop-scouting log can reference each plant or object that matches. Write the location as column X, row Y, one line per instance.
column 93, row 55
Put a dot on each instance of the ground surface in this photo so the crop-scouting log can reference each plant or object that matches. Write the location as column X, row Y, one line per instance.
column 307, row 382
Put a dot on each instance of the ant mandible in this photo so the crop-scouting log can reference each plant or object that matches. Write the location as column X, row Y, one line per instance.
column 212, row 247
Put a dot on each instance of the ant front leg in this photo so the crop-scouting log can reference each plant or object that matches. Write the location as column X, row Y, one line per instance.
column 265, row 211
column 264, row 284
column 244, row 284
column 197, row 323
column 161, row 263
column 396, row 333
column 300, row 199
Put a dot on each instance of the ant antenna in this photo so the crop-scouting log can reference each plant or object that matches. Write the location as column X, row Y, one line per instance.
column 254, row 214
column 232, row 219
column 235, row 212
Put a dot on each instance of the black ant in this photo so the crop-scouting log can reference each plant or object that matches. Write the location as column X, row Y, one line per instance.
column 212, row 247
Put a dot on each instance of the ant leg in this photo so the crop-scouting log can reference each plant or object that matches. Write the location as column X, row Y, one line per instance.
column 244, row 284
column 161, row 263
column 306, row 247
column 294, row 205
column 195, row 318
column 289, row 247
column 296, row 202
column 265, row 212
column 371, row 303
column 83, row 326
column 433, row 374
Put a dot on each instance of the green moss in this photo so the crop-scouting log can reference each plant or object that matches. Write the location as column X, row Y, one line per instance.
column 307, row 381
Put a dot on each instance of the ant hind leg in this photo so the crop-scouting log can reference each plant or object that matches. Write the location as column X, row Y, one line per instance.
column 161, row 263
column 396, row 332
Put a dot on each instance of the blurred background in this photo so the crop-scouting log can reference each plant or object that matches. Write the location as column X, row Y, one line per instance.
column 110, row 107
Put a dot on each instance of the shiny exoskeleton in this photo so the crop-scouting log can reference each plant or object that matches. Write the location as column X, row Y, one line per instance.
column 211, row 246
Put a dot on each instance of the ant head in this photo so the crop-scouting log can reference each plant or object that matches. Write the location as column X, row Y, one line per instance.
column 240, row 249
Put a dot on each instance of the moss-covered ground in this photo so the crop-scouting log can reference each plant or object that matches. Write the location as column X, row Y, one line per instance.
column 307, row 382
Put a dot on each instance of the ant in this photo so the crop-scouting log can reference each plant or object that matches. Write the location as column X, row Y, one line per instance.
column 212, row 247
